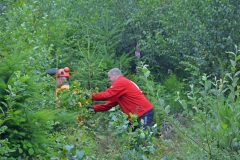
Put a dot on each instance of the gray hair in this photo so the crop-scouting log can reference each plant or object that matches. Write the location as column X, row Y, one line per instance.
column 115, row 71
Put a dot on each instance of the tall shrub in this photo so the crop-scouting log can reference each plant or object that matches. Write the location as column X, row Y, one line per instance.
column 214, row 110
column 24, row 95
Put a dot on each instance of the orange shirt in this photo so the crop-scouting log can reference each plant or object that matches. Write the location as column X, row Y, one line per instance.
column 61, row 89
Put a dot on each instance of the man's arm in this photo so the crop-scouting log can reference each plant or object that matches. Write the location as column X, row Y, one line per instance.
column 104, row 107
column 112, row 93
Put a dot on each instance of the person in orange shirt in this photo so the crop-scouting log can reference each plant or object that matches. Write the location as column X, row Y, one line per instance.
column 62, row 79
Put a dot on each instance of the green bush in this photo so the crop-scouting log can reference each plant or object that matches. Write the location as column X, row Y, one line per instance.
column 214, row 112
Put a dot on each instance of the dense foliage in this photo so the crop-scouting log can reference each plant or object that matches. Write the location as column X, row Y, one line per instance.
column 184, row 55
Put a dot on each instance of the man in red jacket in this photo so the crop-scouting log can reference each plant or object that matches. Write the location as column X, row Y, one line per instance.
column 127, row 95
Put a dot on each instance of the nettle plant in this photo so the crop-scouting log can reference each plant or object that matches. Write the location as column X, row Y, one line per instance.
column 214, row 108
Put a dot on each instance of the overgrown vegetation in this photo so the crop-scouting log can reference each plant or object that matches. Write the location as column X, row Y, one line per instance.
column 186, row 63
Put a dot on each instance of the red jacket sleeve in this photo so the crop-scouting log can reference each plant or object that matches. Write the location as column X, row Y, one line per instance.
column 115, row 91
column 104, row 107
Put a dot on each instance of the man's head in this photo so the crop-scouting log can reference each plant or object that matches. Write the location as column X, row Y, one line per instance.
column 62, row 76
column 63, row 72
column 113, row 74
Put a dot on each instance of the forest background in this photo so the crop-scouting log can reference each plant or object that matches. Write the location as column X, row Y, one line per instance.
column 183, row 54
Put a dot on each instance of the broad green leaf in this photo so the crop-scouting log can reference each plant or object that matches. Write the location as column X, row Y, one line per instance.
column 224, row 126
column 238, row 57
column 142, row 135
column 208, row 84
column 9, row 87
column 80, row 154
column 135, row 124
column 237, row 73
column 235, row 80
column 69, row 147
column 114, row 118
column 191, row 113
column 233, row 63
column 238, row 137
column 144, row 70
column 31, row 151
column 24, row 146
column 147, row 73
column 86, row 149
column 17, row 112
column 29, row 144
column 20, row 150
column 144, row 157
column 233, row 69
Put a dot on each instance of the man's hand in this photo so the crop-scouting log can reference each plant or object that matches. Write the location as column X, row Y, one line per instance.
column 86, row 95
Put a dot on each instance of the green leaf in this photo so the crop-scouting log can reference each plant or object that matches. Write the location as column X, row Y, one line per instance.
column 236, row 74
column 144, row 70
column 224, row 126
column 208, row 84
column 233, row 63
column 29, row 144
column 24, row 146
column 86, row 149
column 235, row 127
column 237, row 58
column 142, row 135
column 236, row 116
column 69, row 147
column 20, row 150
column 234, row 142
column 80, row 154
column 191, row 113
column 114, row 118
column 167, row 109
column 17, row 112
column 9, row 87
column 31, row 151
column 147, row 73
column 233, row 69
column 238, row 137
column 231, row 53
column 235, row 81
column 135, row 124
column 5, row 104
